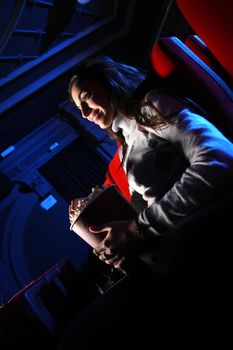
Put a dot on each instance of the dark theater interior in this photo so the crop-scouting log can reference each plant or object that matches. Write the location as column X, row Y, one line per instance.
column 54, row 292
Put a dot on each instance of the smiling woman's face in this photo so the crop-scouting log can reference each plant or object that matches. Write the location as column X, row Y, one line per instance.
column 94, row 103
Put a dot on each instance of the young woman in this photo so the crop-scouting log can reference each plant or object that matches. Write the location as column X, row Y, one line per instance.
column 174, row 158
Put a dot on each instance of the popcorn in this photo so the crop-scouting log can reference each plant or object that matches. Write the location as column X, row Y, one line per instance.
column 83, row 202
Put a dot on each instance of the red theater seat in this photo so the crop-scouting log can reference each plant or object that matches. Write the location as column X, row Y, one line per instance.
column 211, row 20
column 182, row 69
column 194, row 43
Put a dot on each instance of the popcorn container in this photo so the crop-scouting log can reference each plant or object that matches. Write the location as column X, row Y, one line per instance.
column 102, row 206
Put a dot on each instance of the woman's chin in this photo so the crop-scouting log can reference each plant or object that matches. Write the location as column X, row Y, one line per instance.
column 102, row 126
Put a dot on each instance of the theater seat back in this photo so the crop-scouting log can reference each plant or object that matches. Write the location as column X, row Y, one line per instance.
column 194, row 43
column 188, row 75
column 211, row 20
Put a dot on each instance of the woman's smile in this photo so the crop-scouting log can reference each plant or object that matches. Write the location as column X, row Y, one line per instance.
column 95, row 117
column 94, row 103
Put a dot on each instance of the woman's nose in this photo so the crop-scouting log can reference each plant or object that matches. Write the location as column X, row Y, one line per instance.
column 85, row 109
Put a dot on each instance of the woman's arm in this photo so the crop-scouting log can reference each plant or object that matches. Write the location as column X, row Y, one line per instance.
column 209, row 175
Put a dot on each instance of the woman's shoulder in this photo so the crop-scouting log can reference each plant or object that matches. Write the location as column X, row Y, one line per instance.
column 165, row 102
column 160, row 96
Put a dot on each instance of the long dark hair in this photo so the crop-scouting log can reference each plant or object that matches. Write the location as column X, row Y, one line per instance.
column 120, row 80
column 126, row 86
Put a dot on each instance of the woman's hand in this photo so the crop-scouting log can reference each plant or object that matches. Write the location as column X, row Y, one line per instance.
column 121, row 242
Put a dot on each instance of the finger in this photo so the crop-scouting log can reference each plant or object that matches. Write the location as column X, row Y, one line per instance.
column 109, row 256
column 95, row 252
column 99, row 250
column 108, row 244
column 102, row 257
column 119, row 263
column 114, row 260
column 101, row 253
column 98, row 229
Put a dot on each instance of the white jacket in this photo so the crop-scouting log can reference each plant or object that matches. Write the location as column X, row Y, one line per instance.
column 177, row 169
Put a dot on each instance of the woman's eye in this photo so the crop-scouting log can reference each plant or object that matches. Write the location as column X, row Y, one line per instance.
column 86, row 96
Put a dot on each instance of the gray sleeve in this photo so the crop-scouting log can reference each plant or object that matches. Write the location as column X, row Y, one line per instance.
column 209, row 174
